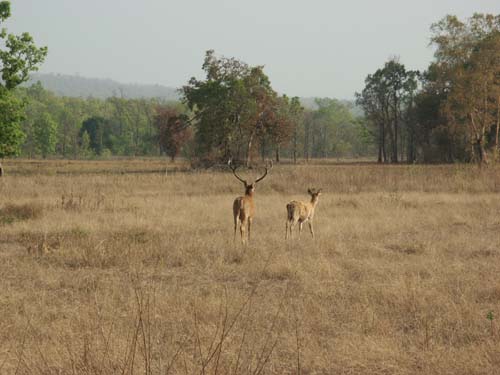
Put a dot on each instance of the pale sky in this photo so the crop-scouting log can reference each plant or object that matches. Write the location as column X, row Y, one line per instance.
column 308, row 48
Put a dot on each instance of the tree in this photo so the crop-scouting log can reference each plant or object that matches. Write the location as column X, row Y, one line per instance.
column 11, row 115
column 282, row 121
column 45, row 134
column 386, row 99
column 99, row 134
column 468, row 57
column 232, row 107
column 18, row 57
column 173, row 130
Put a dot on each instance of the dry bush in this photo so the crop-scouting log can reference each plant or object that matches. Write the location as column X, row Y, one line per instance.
column 12, row 212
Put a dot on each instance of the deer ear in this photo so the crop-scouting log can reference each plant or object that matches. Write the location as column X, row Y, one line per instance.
column 309, row 191
column 319, row 191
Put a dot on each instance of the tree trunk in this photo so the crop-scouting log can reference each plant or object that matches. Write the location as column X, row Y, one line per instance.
column 249, row 151
column 411, row 147
column 410, row 142
column 295, row 145
column 479, row 143
column 1, row 170
column 65, row 129
column 384, row 153
column 483, row 156
column 278, row 153
column 324, row 140
column 380, row 141
column 306, row 140
column 390, row 136
column 388, row 133
column 401, row 145
column 395, row 143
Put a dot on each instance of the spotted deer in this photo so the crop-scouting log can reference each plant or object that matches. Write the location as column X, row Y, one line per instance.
column 300, row 212
column 244, row 206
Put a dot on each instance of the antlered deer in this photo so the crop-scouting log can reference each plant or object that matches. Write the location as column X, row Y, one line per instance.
column 300, row 212
column 244, row 207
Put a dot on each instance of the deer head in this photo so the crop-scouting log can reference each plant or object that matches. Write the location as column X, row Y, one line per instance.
column 249, row 187
column 314, row 193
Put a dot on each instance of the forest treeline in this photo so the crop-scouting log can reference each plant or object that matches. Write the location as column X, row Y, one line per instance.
column 451, row 111
column 448, row 113
column 70, row 127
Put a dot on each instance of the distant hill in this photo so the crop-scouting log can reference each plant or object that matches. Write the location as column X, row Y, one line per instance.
column 76, row 86
column 310, row 103
column 83, row 87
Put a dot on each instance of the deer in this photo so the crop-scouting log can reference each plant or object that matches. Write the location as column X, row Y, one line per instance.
column 244, row 206
column 300, row 212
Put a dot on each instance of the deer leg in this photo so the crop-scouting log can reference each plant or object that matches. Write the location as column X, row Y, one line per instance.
column 249, row 226
column 235, row 227
column 311, row 228
column 243, row 224
column 286, row 230
column 292, row 224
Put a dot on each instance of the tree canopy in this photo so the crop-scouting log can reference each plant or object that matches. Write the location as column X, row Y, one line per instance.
column 18, row 57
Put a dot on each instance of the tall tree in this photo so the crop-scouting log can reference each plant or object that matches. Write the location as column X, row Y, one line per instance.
column 11, row 115
column 232, row 107
column 468, row 56
column 173, row 130
column 98, row 130
column 45, row 134
column 18, row 57
column 386, row 98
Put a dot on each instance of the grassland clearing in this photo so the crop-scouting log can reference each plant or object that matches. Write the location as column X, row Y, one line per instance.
column 109, row 271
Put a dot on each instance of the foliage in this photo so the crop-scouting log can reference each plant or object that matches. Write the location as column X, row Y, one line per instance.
column 233, row 106
column 45, row 133
column 120, row 126
column 387, row 100
column 11, row 114
column 99, row 135
column 465, row 80
column 18, row 57
column 85, row 148
column 334, row 131
column 173, row 130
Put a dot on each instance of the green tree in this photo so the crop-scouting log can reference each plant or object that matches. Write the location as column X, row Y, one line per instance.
column 468, row 57
column 232, row 107
column 85, row 149
column 45, row 133
column 283, row 124
column 18, row 57
column 386, row 98
column 11, row 115
column 98, row 129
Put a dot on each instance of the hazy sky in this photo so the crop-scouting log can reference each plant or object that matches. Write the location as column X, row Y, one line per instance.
column 309, row 48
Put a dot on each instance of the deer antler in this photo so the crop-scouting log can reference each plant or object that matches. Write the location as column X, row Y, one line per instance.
column 265, row 173
column 233, row 168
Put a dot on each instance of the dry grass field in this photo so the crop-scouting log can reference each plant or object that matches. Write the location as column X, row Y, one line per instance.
column 118, row 268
